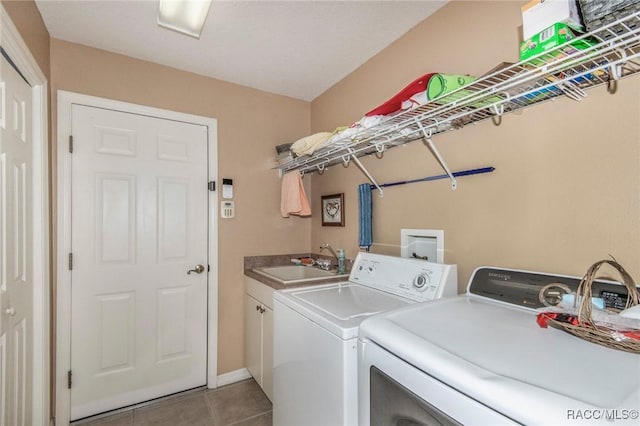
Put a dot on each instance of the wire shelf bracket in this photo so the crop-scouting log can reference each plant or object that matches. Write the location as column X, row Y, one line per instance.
column 426, row 134
column 366, row 172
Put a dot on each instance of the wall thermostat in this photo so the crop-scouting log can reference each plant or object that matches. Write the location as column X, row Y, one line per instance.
column 227, row 210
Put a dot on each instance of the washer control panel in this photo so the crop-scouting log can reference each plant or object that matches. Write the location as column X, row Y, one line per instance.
column 415, row 279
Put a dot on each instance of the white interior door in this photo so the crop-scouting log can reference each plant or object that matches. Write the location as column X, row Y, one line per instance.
column 139, row 224
column 16, row 251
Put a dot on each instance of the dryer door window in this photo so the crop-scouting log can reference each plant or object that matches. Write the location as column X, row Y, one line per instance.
column 392, row 404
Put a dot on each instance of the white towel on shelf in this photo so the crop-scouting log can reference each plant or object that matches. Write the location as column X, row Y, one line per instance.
column 309, row 144
column 293, row 198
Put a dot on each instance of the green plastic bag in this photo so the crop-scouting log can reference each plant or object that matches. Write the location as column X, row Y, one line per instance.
column 441, row 85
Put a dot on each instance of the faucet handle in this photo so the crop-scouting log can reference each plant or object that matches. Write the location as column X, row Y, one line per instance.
column 324, row 264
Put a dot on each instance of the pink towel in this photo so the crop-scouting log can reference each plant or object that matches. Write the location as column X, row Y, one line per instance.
column 293, row 199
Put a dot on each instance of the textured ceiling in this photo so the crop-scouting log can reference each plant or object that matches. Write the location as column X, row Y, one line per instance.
column 292, row 48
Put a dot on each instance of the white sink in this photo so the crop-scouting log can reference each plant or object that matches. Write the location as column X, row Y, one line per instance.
column 296, row 274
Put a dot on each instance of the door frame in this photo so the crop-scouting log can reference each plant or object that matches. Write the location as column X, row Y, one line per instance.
column 63, row 324
column 18, row 51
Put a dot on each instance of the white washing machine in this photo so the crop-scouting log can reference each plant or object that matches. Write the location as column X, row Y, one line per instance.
column 481, row 359
column 316, row 334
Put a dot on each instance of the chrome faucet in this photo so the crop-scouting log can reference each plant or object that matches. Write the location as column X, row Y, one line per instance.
column 328, row 247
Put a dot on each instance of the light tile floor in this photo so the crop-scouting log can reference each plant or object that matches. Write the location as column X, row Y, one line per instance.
column 241, row 404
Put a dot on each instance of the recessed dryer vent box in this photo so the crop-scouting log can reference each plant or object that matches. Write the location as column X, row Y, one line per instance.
column 425, row 244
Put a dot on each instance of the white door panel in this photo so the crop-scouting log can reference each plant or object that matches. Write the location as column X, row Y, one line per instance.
column 16, row 236
column 139, row 223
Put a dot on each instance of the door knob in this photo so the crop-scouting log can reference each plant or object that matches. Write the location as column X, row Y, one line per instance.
column 198, row 270
column 10, row 311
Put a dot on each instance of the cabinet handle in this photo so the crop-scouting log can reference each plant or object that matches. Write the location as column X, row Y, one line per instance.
column 262, row 310
column 257, row 307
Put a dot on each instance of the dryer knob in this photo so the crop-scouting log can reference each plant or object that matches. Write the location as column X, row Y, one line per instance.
column 420, row 282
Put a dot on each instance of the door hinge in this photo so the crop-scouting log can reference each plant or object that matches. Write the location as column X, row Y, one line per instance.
column 71, row 144
column 69, row 379
column 212, row 185
column 70, row 261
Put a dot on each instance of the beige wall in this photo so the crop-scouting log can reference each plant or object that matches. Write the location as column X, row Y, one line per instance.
column 26, row 17
column 250, row 124
column 566, row 190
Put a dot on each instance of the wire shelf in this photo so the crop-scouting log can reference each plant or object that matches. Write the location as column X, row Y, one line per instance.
column 563, row 71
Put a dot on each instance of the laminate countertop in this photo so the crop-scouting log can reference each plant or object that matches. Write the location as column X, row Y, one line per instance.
column 252, row 262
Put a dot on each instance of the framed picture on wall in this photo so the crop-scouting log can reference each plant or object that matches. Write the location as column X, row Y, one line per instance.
column 333, row 210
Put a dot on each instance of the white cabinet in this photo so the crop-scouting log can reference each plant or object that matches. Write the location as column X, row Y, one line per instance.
column 259, row 333
column 253, row 337
column 267, row 352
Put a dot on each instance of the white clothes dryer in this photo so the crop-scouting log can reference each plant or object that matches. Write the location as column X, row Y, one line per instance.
column 481, row 359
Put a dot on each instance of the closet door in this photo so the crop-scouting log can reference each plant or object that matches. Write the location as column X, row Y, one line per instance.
column 16, row 251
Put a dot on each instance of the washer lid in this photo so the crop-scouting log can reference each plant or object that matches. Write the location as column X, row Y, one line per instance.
column 500, row 357
column 351, row 301
column 340, row 308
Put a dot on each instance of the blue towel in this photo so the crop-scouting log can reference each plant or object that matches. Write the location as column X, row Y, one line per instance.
column 365, row 236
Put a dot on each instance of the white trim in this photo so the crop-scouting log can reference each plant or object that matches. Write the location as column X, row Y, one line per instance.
column 16, row 48
column 63, row 355
column 233, row 377
column 212, row 330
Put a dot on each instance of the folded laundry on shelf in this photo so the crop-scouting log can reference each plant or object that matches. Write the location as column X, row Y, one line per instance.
column 345, row 134
column 308, row 144
column 427, row 88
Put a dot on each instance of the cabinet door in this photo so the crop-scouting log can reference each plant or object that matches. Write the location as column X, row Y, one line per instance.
column 267, row 352
column 253, row 338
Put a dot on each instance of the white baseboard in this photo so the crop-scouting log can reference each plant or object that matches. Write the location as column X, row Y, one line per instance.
column 233, row 376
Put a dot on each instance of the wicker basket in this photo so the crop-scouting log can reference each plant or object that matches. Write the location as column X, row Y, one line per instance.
column 586, row 328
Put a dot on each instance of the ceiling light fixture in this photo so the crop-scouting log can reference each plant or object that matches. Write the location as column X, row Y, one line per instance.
column 184, row 16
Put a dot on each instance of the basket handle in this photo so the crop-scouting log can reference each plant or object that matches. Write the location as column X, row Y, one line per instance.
column 585, row 290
